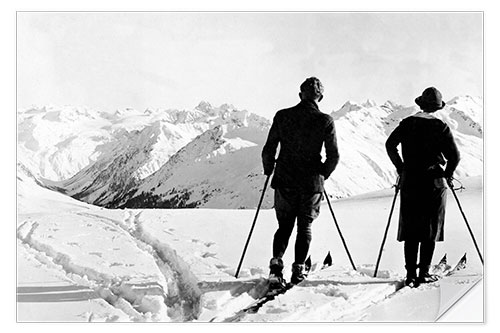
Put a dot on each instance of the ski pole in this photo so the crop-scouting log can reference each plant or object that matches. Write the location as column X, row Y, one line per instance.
column 340, row 233
column 387, row 228
column 450, row 183
column 253, row 225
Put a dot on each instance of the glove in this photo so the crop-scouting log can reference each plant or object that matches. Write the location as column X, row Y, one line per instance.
column 449, row 181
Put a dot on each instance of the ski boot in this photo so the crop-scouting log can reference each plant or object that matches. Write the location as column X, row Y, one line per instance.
column 298, row 273
column 411, row 277
column 276, row 280
column 424, row 276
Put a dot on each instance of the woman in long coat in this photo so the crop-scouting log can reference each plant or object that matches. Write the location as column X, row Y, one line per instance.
column 427, row 145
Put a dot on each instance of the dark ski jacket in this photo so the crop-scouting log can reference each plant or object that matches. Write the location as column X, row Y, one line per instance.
column 301, row 132
column 427, row 144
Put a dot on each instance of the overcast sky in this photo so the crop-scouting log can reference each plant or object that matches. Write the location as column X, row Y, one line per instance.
column 255, row 61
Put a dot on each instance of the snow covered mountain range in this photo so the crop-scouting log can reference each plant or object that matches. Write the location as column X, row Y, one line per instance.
column 209, row 156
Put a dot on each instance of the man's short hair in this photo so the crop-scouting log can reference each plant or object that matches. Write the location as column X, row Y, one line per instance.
column 312, row 88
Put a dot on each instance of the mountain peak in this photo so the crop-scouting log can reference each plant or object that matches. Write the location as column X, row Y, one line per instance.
column 466, row 99
column 391, row 105
column 369, row 103
column 350, row 106
column 204, row 107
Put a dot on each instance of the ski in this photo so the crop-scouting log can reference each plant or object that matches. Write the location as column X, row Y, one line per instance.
column 271, row 294
column 258, row 303
column 340, row 282
column 443, row 270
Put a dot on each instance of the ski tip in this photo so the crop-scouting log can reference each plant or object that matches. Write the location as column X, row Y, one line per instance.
column 328, row 260
column 463, row 260
column 462, row 264
column 444, row 259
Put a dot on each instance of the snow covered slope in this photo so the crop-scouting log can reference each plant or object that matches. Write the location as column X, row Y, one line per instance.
column 57, row 143
column 210, row 171
column 79, row 262
column 210, row 157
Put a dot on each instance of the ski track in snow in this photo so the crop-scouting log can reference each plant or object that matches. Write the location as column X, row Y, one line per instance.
column 62, row 287
column 180, row 294
column 117, row 293
column 185, row 282
column 180, row 291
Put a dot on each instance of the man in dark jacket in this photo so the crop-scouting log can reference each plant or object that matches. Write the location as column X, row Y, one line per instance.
column 427, row 144
column 299, row 173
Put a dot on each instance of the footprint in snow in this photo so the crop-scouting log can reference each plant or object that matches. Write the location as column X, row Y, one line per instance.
column 208, row 255
column 206, row 244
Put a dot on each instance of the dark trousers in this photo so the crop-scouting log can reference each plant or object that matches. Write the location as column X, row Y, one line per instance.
column 293, row 205
column 411, row 253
